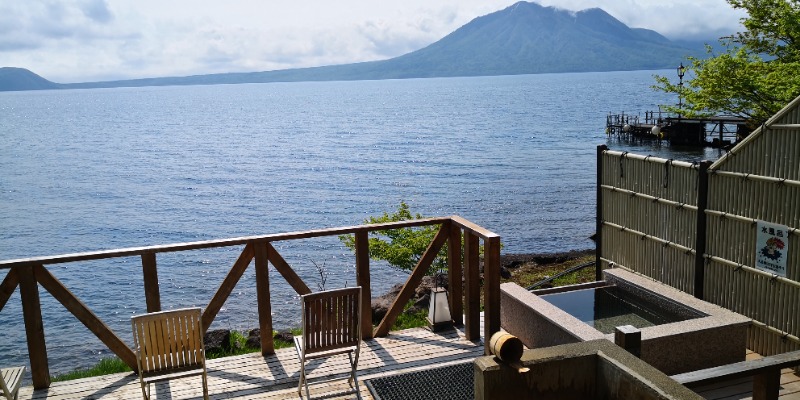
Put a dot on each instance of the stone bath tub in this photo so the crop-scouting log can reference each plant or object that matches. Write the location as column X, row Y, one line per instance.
column 687, row 334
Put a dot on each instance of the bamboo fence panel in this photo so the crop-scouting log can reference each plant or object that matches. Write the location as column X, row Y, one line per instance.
column 733, row 238
column 649, row 215
column 773, row 149
column 767, row 338
column 774, row 152
column 657, row 177
column 766, row 299
column 652, row 216
column 649, row 219
column 756, row 197
column 665, row 261
column 757, row 180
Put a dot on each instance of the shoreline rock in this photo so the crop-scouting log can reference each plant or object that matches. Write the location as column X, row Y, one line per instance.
column 514, row 260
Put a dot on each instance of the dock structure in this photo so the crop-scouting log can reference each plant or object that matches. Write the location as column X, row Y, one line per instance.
column 714, row 131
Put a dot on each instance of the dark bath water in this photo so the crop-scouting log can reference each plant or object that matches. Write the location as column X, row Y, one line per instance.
column 608, row 307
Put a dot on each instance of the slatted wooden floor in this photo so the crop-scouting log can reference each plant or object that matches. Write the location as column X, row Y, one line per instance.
column 275, row 377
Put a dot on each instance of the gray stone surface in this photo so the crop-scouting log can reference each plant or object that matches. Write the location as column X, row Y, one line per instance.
column 538, row 323
column 718, row 338
column 714, row 336
column 596, row 369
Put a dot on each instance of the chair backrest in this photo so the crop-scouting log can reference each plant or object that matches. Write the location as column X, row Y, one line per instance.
column 168, row 340
column 10, row 380
column 331, row 319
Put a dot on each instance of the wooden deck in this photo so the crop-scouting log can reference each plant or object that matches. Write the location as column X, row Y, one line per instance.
column 741, row 389
column 253, row 376
column 275, row 377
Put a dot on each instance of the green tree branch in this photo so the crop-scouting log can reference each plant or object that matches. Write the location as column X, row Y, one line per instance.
column 758, row 72
column 401, row 248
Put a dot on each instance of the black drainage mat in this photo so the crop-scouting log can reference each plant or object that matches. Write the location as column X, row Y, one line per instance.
column 453, row 382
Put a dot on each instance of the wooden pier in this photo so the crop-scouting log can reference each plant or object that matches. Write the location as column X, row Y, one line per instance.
column 714, row 131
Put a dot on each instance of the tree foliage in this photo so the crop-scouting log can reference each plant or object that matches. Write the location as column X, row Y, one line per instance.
column 758, row 72
column 401, row 248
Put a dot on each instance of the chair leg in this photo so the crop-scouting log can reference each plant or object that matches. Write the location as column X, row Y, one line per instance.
column 353, row 375
column 145, row 390
column 308, row 393
column 205, row 385
column 352, row 370
column 302, row 378
column 300, row 383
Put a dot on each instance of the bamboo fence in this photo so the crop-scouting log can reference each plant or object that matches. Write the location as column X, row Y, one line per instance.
column 649, row 217
column 758, row 180
column 656, row 215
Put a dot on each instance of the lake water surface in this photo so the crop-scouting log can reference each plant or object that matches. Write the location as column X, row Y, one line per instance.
column 84, row 170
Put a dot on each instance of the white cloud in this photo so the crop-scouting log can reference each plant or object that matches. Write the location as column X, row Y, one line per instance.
column 675, row 19
column 88, row 40
column 97, row 10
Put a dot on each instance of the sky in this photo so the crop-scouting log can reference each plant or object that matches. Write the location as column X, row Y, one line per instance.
column 95, row 40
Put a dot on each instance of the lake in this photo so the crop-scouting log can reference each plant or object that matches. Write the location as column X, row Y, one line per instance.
column 84, row 170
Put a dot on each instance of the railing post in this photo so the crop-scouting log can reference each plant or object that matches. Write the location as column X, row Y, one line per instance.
column 455, row 275
column 152, row 294
column 598, row 230
column 700, row 239
column 34, row 328
column 472, row 282
column 767, row 385
column 363, row 280
column 491, row 289
column 263, row 297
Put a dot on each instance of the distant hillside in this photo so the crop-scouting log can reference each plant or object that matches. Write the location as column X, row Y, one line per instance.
column 525, row 38
column 22, row 79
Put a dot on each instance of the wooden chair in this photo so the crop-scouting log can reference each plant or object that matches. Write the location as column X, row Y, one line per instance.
column 10, row 381
column 331, row 326
column 169, row 344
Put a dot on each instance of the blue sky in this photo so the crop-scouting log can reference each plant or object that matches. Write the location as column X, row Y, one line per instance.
column 93, row 40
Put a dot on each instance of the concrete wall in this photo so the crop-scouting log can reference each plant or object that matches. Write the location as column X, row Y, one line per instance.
column 596, row 369
column 538, row 323
column 717, row 338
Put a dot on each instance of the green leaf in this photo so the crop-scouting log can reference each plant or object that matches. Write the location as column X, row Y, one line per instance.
column 755, row 75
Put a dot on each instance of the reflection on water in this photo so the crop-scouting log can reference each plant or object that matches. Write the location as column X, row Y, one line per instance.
column 606, row 308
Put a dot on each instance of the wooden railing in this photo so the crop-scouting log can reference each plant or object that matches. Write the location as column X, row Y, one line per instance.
column 29, row 274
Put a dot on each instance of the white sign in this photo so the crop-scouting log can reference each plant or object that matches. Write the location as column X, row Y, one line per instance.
column 772, row 247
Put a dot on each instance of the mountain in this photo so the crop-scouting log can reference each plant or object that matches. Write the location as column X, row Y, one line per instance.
column 525, row 38
column 23, row 79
